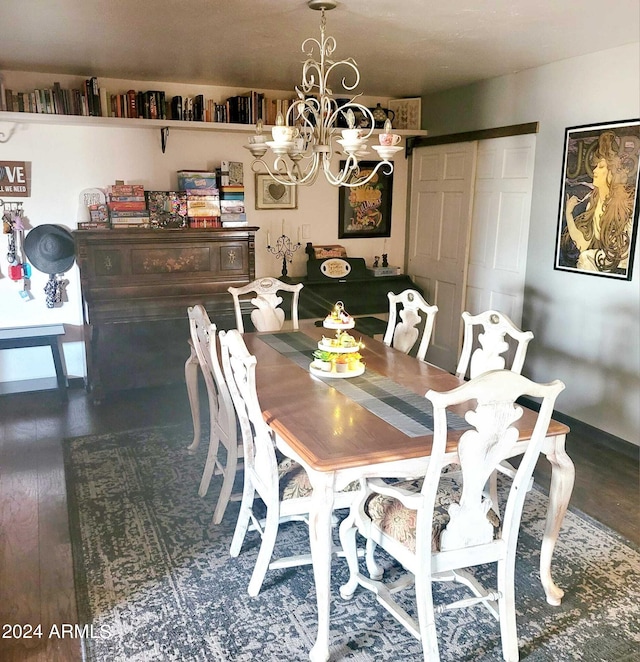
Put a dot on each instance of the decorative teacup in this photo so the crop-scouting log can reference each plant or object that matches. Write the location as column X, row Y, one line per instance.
column 389, row 139
column 351, row 136
column 283, row 134
column 258, row 139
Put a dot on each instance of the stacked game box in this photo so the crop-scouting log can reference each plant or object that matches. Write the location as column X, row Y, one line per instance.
column 232, row 206
column 127, row 206
column 202, row 198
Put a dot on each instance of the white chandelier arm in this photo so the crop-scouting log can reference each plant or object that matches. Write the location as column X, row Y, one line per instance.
column 290, row 177
column 348, row 180
column 348, row 63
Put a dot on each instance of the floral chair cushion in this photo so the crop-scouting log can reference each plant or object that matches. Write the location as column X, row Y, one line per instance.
column 399, row 522
column 295, row 483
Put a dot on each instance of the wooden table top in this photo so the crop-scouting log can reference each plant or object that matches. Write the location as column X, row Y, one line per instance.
column 329, row 430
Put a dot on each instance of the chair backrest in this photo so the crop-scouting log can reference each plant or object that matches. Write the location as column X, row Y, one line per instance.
column 259, row 449
column 203, row 338
column 489, row 355
column 481, row 449
column 266, row 316
column 403, row 335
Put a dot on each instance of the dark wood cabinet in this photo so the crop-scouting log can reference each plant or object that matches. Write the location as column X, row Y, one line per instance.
column 361, row 296
column 136, row 287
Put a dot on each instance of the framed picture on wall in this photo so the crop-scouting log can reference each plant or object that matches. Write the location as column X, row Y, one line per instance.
column 598, row 217
column 272, row 195
column 407, row 113
column 365, row 211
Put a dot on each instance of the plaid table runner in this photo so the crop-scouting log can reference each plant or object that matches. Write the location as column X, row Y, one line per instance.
column 395, row 404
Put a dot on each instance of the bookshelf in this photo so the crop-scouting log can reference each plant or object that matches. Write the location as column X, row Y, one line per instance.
column 103, row 92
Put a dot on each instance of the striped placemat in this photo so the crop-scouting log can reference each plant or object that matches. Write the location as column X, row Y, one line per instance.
column 405, row 410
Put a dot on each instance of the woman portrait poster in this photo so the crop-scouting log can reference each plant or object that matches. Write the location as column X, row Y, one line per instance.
column 599, row 200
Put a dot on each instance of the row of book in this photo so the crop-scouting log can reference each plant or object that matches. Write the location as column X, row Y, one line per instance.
column 93, row 100
column 56, row 100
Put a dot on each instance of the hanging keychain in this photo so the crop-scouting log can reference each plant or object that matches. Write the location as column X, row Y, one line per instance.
column 53, row 291
column 25, row 292
column 10, row 219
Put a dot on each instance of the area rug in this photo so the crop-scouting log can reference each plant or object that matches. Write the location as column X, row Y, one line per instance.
column 154, row 579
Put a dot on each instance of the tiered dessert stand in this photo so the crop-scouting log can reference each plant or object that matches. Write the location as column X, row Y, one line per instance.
column 341, row 352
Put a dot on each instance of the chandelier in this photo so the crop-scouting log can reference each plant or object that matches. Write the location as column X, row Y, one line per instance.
column 305, row 139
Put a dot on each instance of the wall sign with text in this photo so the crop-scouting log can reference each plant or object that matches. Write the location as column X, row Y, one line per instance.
column 15, row 179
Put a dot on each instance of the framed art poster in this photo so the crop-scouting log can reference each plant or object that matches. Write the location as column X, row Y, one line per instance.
column 270, row 194
column 365, row 211
column 598, row 217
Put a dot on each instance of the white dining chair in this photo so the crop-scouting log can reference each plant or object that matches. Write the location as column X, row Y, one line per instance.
column 436, row 526
column 488, row 353
column 222, row 418
column 414, row 311
column 281, row 483
column 267, row 314
column 489, row 350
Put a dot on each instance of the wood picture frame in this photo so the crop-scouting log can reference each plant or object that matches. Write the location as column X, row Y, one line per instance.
column 598, row 215
column 407, row 113
column 365, row 211
column 272, row 195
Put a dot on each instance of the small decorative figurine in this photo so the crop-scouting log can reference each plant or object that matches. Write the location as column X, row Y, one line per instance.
column 385, row 262
column 376, row 261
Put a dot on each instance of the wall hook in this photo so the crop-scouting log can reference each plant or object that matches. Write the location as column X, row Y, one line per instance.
column 164, row 135
column 8, row 138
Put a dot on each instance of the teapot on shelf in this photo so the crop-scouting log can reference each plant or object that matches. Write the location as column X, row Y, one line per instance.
column 381, row 115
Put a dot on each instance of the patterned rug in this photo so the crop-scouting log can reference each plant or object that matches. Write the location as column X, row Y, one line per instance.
column 154, row 579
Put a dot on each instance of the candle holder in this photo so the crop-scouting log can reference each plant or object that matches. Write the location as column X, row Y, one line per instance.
column 284, row 249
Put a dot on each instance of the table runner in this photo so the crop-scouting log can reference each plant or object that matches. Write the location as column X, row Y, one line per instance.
column 407, row 411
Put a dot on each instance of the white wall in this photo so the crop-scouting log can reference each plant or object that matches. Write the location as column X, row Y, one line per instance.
column 67, row 159
column 587, row 329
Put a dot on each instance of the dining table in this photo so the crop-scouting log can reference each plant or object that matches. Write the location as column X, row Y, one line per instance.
column 373, row 425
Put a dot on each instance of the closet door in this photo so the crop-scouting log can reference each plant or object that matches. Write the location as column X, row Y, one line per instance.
column 442, row 179
column 500, row 225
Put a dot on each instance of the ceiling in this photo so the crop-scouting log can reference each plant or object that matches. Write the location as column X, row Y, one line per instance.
column 403, row 48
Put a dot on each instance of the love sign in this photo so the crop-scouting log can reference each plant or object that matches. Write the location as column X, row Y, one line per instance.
column 15, row 179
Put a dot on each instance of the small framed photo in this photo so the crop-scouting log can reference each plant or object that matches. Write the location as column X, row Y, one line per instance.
column 365, row 211
column 407, row 113
column 598, row 217
column 270, row 194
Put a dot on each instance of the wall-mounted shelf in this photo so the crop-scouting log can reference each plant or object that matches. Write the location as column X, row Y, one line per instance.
column 138, row 123
column 131, row 123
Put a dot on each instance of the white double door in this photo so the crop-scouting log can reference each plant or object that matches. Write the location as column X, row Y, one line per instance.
column 468, row 232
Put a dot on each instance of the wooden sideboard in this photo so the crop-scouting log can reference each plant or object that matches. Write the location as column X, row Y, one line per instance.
column 361, row 296
column 136, row 288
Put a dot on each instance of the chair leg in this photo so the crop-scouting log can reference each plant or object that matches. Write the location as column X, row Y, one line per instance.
column 244, row 517
column 507, row 610
column 374, row 570
column 493, row 492
column 266, row 550
column 210, row 464
column 348, row 530
column 191, row 378
column 426, row 617
column 229, row 474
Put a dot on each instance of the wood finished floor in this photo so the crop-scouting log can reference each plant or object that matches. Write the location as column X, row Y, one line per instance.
column 36, row 576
